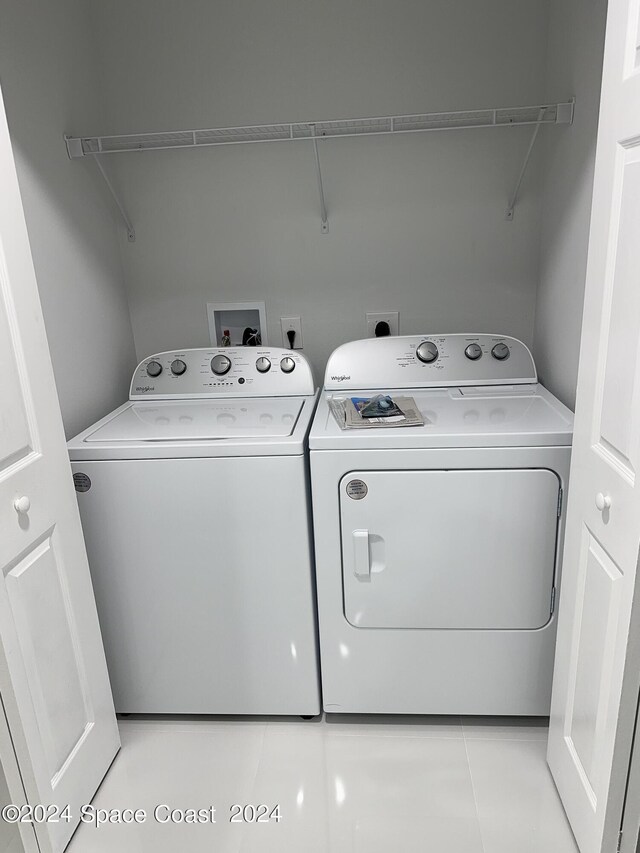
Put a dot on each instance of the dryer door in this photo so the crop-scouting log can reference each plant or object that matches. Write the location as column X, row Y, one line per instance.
column 456, row 549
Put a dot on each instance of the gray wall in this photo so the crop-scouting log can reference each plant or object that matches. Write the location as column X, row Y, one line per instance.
column 50, row 87
column 576, row 37
column 417, row 224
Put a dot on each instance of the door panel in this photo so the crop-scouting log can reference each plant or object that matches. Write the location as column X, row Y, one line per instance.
column 47, row 636
column 53, row 676
column 598, row 588
column 620, row 409
column 449, row 549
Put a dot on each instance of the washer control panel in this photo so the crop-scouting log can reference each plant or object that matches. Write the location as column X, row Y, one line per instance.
column 222, row 372
column 434, row 361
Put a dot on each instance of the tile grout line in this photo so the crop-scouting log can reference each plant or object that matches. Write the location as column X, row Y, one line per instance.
column 479, row 738
column 473, row 787
column 343, row 730
column 415, row 736
column 260, row 756
column 252, row 785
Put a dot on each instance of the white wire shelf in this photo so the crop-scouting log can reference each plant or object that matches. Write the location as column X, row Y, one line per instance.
column 537, row 115
column 561, row 113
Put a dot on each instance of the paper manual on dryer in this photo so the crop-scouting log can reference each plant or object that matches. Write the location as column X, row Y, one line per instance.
column 348, row 417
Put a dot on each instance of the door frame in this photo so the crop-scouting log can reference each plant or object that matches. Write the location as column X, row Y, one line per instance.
column 15, row 783
column 622, row 818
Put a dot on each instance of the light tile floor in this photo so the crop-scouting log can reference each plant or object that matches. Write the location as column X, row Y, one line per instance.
column 344, row 785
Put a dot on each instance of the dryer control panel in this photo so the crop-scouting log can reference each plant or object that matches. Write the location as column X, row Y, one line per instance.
column 222, row 372
column 430, row 361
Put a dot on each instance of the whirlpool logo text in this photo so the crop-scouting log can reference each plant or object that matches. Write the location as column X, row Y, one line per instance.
column 340, row 378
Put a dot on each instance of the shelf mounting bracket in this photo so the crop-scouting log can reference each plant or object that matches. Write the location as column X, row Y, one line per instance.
column 514, row 196
column 324, row 225
column 131, row 234
column 74, row 150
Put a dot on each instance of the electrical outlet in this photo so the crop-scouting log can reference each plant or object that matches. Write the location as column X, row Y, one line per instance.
column 390, row 317
column 291, row 324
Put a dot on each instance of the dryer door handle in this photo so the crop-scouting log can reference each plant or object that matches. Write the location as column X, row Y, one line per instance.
column 361, row 563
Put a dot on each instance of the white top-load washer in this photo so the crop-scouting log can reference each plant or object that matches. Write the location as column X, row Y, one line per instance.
column 438, row 546
column 194, row 503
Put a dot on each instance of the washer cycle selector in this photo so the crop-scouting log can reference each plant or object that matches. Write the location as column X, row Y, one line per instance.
column 427, row 351
column 263, row 365
column 473, row 351
column 154, row 368
column 287, row 364
column 220, row 365
column 178, row 367
column 501, row 352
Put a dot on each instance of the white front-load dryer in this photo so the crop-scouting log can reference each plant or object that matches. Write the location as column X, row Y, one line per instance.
column 438, row 546
column 194, row 499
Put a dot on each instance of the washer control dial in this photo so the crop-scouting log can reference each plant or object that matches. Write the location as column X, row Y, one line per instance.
column 220, row 365
column 501, row 352
column 178, row 367
column 154, row 368
column 473, row 351
column 287, row 364
column 263, row 365
column 427, row 352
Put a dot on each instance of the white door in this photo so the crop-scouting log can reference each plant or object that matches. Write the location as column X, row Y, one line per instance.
column 53, row 676
column 603, row 512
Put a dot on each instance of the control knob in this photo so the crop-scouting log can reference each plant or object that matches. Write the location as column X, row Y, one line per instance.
column 287, row 364
column 154, row 368
column 427, row 352
column 501, row 352
column 473, row 351
column 178, row 367
column 220, row 365
column 263, row 365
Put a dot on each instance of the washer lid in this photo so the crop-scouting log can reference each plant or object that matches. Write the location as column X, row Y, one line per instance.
column 201, row 420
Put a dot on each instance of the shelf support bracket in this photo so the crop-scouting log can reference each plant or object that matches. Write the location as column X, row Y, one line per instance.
column 131, row 234
column 514, row 196
column 75, row 150
column 324, row 225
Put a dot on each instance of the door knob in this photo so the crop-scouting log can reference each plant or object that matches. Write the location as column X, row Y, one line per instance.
column 603, row 501
column 22, row 504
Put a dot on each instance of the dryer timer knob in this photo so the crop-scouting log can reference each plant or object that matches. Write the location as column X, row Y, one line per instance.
column 427, row 352
column 501, row 352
